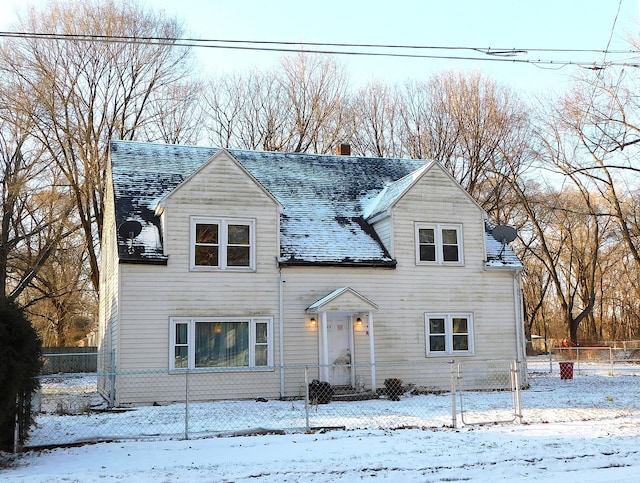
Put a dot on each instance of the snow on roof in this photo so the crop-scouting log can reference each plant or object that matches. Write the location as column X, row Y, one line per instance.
column 392, row 193
column 499, row 255
column 324, row 198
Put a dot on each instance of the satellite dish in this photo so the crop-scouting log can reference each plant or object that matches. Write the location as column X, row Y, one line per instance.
column 504, row 233
column 130, row 229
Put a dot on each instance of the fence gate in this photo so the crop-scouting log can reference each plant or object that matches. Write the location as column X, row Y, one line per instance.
column 489, row 391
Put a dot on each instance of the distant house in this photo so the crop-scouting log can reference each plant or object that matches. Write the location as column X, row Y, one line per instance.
column 220, row 261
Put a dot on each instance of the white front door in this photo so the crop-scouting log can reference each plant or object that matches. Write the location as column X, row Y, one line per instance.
column 338, row 345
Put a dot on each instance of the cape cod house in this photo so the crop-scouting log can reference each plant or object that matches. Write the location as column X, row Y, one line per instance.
column 232, row 263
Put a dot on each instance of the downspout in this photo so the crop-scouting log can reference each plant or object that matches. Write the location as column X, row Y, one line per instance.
column 519, row 320
column 372, row 353
column 281, row 331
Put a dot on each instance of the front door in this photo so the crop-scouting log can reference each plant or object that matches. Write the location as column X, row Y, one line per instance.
column 338, row 345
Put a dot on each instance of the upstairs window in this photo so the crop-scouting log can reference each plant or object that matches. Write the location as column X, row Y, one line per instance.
column 222, row 244
column 449, row 334
column 438, row 244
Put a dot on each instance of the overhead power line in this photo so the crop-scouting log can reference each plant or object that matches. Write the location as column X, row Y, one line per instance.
column 513, row 55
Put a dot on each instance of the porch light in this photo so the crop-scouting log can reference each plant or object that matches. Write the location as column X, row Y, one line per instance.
column 359, row 322
column 313, row 322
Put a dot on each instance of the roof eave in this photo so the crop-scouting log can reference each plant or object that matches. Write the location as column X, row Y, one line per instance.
column 492, row 265
column 144, row 261
column 350, row 264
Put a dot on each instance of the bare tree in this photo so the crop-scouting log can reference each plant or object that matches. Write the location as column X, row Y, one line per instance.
column 316, row 90
column 377, row 121
column 90, row 91
column 35, row 213
column 603, row 113
column 303, row 107
column 476, row 128
column 176, row 114
column 60, row 300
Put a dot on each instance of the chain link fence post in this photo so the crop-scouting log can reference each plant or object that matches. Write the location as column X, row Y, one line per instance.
column 306, row 397
column 186, row 404
column 515, row 387
column 611, row 360
column 454, row 419
column 112, row 379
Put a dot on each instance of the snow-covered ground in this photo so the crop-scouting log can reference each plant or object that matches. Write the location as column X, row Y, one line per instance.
column 586, row 429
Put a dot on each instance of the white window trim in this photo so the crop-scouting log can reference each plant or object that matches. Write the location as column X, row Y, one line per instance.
column 222, row 223
column 191, row 338
column 438, row 227
column 448, row 331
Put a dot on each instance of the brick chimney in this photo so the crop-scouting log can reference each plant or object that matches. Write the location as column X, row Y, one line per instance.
column 343, row 149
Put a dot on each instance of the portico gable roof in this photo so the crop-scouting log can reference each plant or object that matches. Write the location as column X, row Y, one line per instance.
column 343, row 299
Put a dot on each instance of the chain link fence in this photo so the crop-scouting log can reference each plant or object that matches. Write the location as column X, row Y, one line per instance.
column 72, row 408
column 78, row 407
column 616, row 359
column 501, row 380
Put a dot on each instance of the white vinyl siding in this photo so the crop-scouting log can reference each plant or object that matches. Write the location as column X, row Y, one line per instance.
column 384, row 230
column 213, row 343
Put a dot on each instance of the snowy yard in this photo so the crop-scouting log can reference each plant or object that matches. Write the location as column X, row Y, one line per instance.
column 585, row 429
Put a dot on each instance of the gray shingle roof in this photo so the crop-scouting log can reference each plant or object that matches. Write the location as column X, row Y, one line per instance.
column 324, row 198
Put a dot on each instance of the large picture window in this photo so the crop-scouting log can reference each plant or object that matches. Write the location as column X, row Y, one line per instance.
column 222, row 244
column 210, row 343
column 438, row 244
column 448, row 334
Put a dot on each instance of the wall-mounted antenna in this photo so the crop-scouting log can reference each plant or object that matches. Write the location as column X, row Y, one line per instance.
column 129, row 230
column 504, row 234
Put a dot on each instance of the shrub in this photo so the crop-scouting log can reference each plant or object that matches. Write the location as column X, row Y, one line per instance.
column 20, row 362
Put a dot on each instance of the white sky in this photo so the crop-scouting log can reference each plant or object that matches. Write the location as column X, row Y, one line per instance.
column 565, row 24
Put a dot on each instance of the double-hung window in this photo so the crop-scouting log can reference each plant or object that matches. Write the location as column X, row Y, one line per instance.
column 222, row 244
column 221, row 343
column 438, row 244
column 449, row 334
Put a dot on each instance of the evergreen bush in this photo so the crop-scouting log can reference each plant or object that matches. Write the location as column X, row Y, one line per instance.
column 20, row 363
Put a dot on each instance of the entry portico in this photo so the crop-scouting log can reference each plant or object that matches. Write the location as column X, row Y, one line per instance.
column 339, row 314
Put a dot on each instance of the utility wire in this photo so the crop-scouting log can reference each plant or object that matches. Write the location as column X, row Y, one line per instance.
column 492, row 54
column 135, row 39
